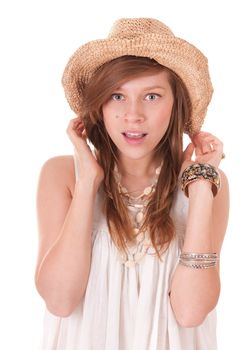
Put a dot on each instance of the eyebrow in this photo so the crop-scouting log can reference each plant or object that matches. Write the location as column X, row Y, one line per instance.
column 154, row 87
column 147, row 88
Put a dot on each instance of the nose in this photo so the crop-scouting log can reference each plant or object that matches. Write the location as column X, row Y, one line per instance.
column 134, row 113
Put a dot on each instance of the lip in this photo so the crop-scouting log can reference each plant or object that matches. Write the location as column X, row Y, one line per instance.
column 134, row 141
column 134, row 131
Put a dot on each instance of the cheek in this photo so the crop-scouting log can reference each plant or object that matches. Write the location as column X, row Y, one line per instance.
column 106, row 117
column 107, row 124
column 110, row 121
column 165, row 115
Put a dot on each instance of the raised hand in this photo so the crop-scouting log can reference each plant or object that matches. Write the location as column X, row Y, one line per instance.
column 86, row 162
column 207, row 148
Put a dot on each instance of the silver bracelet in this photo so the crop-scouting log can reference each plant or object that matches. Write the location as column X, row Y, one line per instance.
column 199, row 256
column 198, row 266
column 198, row 260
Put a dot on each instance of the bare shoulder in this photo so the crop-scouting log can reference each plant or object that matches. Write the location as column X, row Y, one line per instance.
column 62, row 169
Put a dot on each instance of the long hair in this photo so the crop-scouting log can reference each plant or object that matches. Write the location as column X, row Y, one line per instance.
column 157, row 218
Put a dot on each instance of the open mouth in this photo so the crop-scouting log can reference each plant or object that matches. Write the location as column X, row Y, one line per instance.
column 134, row 135
column 134, row 138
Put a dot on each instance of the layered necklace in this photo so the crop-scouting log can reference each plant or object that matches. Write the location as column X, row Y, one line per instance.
column 141, row 244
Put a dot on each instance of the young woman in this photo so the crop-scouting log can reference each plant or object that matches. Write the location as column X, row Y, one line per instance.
column 131, row 229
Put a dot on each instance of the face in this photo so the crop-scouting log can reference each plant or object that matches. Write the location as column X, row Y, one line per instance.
column 137, row 115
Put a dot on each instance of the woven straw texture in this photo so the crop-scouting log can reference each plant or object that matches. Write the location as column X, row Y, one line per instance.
column 145, row 37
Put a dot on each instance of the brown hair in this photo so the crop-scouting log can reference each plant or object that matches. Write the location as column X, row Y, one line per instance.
column 170, row 148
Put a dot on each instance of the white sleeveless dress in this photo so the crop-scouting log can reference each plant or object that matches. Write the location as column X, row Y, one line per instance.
column 128, row 308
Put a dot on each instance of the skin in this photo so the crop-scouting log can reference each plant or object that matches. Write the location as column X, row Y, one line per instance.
column 145, row 104
column 65, row 206
column 194, row 293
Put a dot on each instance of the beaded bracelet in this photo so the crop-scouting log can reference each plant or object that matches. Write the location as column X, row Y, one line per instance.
column 198, row 260
column 198, row 171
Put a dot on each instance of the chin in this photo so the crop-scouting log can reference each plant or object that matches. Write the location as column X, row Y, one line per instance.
column 135, row 154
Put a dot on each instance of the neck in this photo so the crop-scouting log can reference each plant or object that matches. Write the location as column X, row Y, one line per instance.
column 137, row 168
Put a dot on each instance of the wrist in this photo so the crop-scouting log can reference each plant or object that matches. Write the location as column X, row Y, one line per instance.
column 87, row 184
column 198, row 174
column 200, row 186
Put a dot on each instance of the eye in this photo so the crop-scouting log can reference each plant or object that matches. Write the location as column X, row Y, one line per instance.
column 152, row 96
column 117, row 97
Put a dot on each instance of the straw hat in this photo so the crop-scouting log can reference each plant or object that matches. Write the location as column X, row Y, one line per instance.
column 145, row 37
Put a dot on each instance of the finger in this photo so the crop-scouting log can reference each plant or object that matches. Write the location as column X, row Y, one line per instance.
column 79, row 126
column 202, row 143
column 73, row 120
column 207, row 137
column 72, row 123
column 215, row 143
column 75, row 129
column 188, row 152
column 83, row 134
column 199, row 149
column 77, row 123
column 196, row 136
column 211, row 138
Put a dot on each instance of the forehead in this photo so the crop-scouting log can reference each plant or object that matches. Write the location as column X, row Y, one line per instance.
column 147, row 80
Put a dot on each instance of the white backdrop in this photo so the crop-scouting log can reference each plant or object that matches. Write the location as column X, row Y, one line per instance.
column 37, row 38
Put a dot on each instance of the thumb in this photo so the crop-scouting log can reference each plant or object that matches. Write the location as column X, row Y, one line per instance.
column 189, row 150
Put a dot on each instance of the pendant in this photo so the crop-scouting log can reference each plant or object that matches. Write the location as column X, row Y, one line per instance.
column 131, row 208
column 130, row 263
column 147, row 190
column 140, row 237
column 139, row 206
column 139, row 217
column 123, row 190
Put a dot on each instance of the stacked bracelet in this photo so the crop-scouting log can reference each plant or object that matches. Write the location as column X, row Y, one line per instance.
column 198, row 260
column 198, row 171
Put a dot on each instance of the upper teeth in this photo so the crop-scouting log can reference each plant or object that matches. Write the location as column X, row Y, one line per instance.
column 133, row 134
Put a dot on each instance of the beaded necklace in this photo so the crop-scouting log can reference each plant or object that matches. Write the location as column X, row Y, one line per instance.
column 141, row 243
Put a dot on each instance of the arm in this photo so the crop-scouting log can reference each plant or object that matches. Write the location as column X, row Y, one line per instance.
column 65, row 226
column 195, row 292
